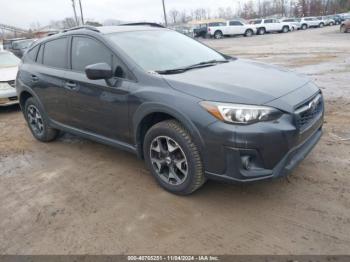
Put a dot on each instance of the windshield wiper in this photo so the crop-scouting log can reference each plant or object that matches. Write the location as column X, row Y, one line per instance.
column 186, row 68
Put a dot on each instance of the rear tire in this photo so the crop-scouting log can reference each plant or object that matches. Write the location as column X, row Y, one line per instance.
column 285, row 29
column 304, row 26
column 173, row 158
column 37, row 121
column 321, row 25
column 261, row 31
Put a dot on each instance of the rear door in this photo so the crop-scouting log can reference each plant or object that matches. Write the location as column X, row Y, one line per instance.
column 236, row 28
column 94, row 106
column 46, row 77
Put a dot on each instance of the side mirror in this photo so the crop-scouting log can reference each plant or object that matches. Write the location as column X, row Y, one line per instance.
column 99, row 71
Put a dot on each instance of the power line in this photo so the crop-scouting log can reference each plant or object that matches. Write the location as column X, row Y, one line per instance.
column 75, row 12
column 81, row 13
column 165, row 18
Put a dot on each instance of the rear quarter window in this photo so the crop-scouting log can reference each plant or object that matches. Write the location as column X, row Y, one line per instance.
column 32, row 53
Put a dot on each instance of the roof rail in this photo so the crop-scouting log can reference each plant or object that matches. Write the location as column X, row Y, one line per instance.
column 143, row 23
column 88, row 27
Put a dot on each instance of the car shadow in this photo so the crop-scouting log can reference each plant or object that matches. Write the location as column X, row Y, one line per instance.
column 9, row 109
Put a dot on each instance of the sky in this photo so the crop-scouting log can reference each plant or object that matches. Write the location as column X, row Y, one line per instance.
column 23, row 13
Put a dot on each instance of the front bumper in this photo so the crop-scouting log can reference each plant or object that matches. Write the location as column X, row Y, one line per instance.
column 8, row 97
column 236, row 172
column 259, row 151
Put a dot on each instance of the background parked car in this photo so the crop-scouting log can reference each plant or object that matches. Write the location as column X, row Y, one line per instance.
column 8, row 71
column 7, row 43
column 19, row 47
column 232, row 27
column 295, row 24
column 307, row 22
column 270, row 25
column 327, row 20
column 345, row 26
column 186, row 30
column 337, row 19
column 200, row 30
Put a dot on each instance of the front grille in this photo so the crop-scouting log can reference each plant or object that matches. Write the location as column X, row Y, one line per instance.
column 12, row 83
column 309, row 112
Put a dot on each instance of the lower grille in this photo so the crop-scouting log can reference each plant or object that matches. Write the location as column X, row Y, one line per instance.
column 309, row 112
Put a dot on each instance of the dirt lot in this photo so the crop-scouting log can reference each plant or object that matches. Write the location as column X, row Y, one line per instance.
column 74, row 196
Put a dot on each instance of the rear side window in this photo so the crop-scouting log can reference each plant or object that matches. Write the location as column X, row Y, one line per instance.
column 87, row 51
column 268, row 21
column 55, row 53
column 33, row 52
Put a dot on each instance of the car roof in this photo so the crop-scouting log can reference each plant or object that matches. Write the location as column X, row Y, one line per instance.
column 126, row 28
column 102, row 30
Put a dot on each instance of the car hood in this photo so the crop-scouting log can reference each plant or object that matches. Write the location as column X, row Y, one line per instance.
column 239, row 81
column 8, row 73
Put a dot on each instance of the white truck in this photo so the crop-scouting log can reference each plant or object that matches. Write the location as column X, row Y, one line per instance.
column 270, row 25
column 232, row 27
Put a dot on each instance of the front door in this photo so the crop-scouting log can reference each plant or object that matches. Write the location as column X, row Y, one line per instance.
column 96, row 107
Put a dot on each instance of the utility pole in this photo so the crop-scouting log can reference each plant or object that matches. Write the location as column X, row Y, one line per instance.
column 164, row 10
column 75, row 13
column 81, row 13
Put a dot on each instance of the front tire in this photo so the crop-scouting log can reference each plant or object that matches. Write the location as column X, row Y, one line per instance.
column 304, row 27
column 285, row 29
column 321, row 25
column 218, row 35
column 173, row 158
column 261, row 31
column 248, row 33
column 37, row 121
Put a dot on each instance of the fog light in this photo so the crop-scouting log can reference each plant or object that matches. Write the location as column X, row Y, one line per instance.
column 246, row 162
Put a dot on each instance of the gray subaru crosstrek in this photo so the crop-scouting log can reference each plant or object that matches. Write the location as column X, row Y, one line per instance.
column 189, row 111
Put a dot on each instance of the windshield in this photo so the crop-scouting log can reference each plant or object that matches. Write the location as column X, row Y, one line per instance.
column 8, row 60
column 160, row 50
column 22, row 44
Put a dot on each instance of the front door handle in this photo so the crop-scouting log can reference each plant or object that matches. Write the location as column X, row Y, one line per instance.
column 71, row 85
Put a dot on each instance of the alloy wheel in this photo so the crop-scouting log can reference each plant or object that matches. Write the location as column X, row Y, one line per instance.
column 35, row 120
column 169, row 160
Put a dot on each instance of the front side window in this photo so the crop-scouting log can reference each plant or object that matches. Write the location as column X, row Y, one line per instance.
column 268, row 21
column 87, row 51
column 55, row 53
column 158, row 50
column 256, row 22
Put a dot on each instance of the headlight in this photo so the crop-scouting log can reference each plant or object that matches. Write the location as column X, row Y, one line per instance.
column 241, row 114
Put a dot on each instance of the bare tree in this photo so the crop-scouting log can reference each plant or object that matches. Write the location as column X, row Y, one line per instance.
column 174, row 14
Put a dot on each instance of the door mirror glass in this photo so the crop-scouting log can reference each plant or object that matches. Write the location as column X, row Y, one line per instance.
column 99, row 71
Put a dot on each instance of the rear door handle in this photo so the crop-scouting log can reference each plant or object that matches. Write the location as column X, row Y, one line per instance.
column 35, row 78
column 71, row 85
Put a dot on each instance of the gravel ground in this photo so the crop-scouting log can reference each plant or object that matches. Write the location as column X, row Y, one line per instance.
column 74, row 196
